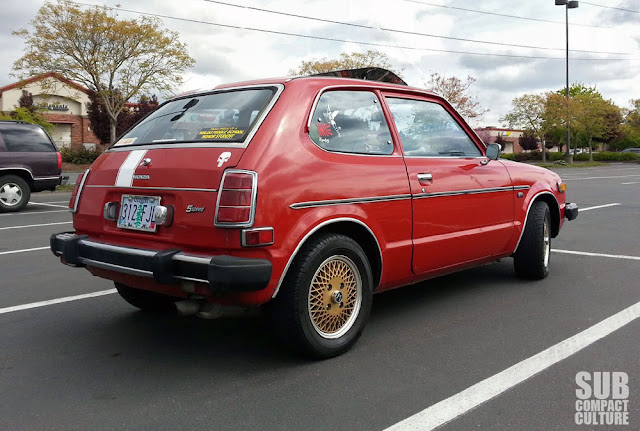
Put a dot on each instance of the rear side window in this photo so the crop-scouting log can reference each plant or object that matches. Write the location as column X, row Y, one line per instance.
column 427, row 130
column 219, row 117
column 25, row 138
column 350, row 122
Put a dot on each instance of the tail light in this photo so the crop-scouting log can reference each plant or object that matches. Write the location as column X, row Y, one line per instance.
column 77, row 191
column 236, row 205
column 59, row 159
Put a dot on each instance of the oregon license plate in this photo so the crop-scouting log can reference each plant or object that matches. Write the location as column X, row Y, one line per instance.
column 136, row 212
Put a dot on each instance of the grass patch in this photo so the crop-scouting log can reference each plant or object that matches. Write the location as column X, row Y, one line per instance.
column 65, row 188
column 575, row 165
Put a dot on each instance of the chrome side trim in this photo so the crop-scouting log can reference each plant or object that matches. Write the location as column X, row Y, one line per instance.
column 524, row 224
column 80, row 188
column 311, row 204
column 155, row 188
column 463, row 192
column 46, row 178
column 315, row 229
column 245, row 144
column 117, row 268
column 20, row 169
column 521, row 187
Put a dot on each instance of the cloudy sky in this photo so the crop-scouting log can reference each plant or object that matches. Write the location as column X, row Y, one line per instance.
column 225, row 54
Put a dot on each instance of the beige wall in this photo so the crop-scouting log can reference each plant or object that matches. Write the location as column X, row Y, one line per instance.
column 52, row 92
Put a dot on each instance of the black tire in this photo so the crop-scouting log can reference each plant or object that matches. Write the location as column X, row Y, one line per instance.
column 146, row 300
column 531, row 259
column 320, row 322
column 14, row 193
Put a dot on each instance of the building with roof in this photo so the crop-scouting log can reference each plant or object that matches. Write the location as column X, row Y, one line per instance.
column 64, row 104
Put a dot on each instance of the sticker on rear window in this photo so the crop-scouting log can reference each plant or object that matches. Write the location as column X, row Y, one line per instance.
column 221, row 133
column 127, row 141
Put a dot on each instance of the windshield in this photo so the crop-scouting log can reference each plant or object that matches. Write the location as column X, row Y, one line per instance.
column 219, row 117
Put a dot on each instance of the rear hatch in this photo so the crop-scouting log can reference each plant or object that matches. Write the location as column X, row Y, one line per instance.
column 175, row 158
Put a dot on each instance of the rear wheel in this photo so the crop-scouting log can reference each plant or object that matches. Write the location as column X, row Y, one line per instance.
column 146, row 300
column 531, row 259
column 14, row 193
column 324, row 302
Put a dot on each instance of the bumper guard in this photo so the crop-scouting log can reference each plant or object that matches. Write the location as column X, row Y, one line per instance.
column 222, row 273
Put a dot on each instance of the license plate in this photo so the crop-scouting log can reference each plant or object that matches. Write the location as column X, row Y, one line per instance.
column 136, row 212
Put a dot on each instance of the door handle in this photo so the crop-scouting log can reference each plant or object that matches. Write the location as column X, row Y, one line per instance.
column 425, row 177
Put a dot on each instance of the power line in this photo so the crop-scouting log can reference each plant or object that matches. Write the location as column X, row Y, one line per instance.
column 413, row 33
column 283, row 33
column 504, row 15
column 611, row 7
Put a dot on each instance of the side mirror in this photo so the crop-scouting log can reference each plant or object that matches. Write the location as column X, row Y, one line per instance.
column 493, row 151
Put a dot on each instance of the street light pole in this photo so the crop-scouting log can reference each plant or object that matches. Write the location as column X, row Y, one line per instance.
column 569, row 4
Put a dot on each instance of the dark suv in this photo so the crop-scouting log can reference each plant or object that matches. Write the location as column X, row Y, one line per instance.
column 29, row 162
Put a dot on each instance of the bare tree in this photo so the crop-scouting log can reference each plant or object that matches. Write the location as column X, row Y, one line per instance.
column 456, row 91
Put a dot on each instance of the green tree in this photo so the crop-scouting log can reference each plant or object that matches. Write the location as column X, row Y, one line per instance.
column 528, row 112
column 117, row 58
column 350, row 60
column 456, row 91
column 28, row 116
column 558, row 112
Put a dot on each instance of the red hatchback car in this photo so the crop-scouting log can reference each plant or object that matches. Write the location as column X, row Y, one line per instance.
column 308, row 195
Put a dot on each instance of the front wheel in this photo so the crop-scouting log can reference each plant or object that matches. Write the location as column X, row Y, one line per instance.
column 14, row 193
column 531, row 259
column 324, row 302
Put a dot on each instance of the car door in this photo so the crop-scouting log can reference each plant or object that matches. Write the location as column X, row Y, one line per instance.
column 28, row 146
column 462, row 202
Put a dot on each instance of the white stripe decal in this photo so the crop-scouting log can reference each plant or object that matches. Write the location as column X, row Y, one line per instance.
column 125, row 173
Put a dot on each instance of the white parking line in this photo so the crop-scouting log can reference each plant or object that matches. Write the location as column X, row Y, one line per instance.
column 460, row 403
column 587, row 253
column 632, row 182
column 597, row 206
column 53, row 202
column 24, row 250
column 37, row 212
column 56, row 301
column 47, row 204
column 597, row 178
column 34, row 225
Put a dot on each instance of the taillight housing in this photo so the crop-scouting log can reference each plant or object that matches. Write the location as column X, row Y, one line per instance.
column 77, row 191
column 236, row 205
column 59, row 159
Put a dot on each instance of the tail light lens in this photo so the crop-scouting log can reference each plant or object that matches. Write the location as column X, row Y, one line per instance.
column 77, row 191
column 59, row 159
column 236, row 206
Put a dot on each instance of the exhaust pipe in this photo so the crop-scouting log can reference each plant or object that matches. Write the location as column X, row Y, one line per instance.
column 187, row 307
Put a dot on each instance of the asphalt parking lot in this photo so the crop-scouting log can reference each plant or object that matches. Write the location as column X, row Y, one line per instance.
column 479, row 349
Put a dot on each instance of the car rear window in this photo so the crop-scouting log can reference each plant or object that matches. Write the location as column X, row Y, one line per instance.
column 25, row 138
column 227, row 116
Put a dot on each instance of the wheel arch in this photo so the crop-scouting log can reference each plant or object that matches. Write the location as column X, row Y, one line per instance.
column 353, row 228
column 554, row 209
column 23, row 173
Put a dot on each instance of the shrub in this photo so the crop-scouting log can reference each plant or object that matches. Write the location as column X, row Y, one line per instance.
column 79, row 156
column 608, row 156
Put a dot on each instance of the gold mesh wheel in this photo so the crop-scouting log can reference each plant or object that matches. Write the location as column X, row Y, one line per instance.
column 335, row 296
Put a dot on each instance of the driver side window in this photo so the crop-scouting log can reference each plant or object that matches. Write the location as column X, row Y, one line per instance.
column 427, row 130
column 350, row 122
